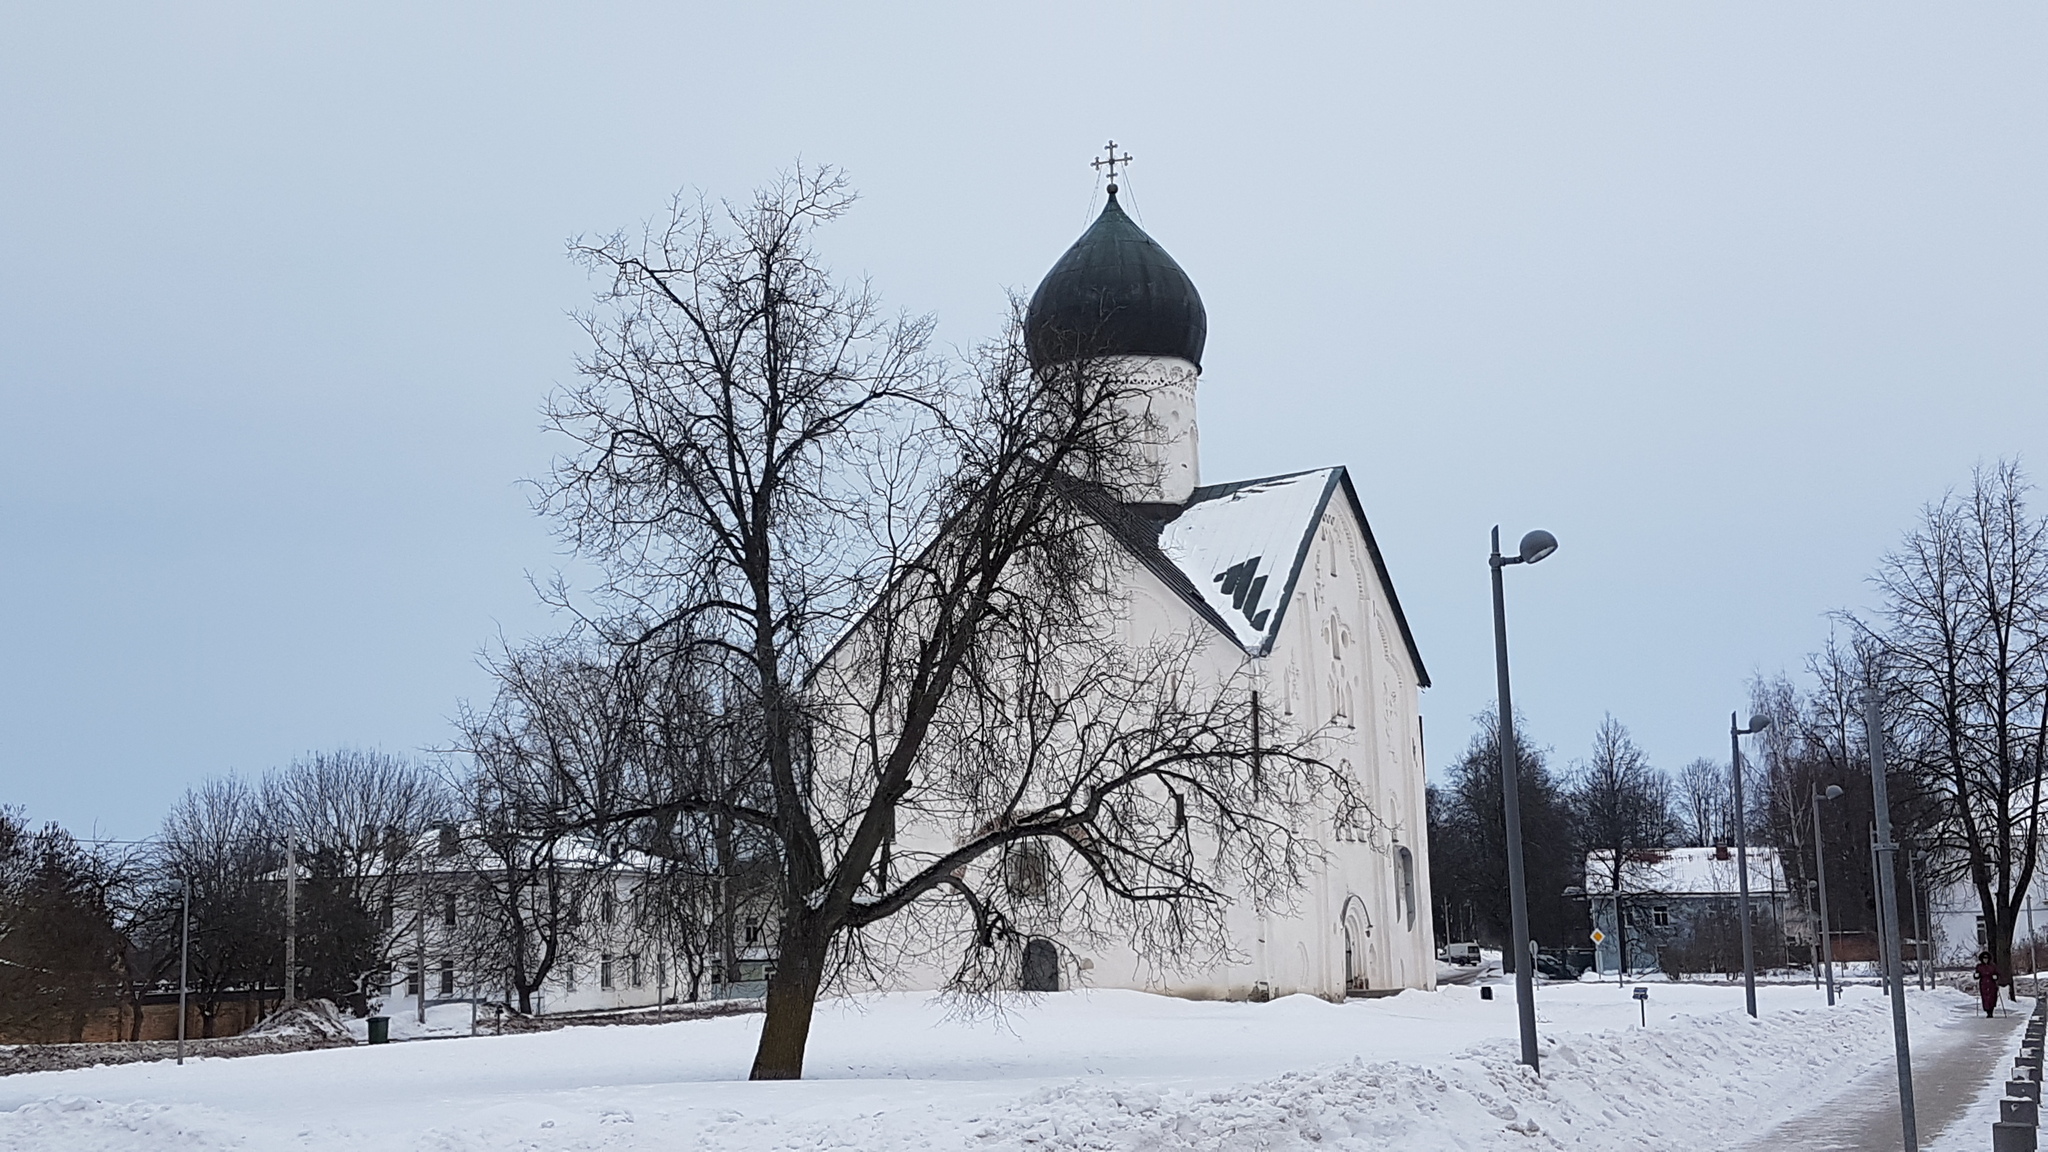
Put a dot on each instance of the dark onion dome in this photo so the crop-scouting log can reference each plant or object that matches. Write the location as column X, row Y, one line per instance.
column 1115, row 293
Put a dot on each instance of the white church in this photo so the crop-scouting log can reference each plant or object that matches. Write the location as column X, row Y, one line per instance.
column 1280, row 577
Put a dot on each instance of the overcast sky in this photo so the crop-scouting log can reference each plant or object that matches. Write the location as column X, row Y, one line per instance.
column 1719, row 294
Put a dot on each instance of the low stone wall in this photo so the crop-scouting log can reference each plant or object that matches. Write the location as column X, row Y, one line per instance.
column 58, row 1057
column 113, row 1023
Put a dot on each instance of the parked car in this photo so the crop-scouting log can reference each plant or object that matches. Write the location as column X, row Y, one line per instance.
column 1555, row 967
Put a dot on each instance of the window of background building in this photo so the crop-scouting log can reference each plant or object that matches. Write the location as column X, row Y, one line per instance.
column 448, row 910
column 604, row 971
column 1660, row 915
column 447, row 977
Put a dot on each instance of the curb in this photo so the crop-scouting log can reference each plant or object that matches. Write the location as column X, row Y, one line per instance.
column 2019, row 1113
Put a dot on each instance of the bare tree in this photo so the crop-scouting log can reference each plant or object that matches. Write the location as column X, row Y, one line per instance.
column 549, row 749
column 1623, row 809
column 1961, row 645
column 895, row 582
column 214, row 839
column 359, row 818
column 1707, row 801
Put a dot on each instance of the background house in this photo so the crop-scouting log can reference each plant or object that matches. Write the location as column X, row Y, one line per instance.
column 1677, row 911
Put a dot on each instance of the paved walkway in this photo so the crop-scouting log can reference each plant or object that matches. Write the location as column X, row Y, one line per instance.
column 1950, row 1067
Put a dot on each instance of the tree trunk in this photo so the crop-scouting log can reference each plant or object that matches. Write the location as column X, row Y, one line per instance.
column 2003, row 925
column 792, row 995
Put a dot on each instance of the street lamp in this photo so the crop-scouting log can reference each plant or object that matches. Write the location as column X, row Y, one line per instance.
column 1757, row 723
column 184, row 957
column 1820, row 872
column 1888, row 906
column 1535, row 546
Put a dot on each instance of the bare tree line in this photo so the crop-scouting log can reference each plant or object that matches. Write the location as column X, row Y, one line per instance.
column 92, row 928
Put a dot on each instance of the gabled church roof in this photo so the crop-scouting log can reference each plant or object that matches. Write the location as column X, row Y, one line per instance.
column 1235, row 552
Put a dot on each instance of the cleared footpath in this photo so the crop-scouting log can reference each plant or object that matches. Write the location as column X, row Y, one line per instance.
column 1952, row 1066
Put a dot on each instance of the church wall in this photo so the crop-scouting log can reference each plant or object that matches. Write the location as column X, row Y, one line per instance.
column 1163, row 401
column 1338, row 656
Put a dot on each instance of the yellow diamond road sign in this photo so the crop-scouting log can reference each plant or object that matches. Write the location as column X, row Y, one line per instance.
column 1599, row 937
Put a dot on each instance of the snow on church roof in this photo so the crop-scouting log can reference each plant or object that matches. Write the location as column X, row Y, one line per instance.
column 1240, row 549
column 1235, row 551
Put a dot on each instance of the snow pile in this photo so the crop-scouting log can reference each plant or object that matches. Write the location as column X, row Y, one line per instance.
column 1068, row 1072
column 1696, row 1086
column 443, row 1020
column 308, row 1020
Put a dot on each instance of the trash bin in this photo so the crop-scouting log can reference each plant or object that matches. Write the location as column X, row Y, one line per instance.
column 380, row 1029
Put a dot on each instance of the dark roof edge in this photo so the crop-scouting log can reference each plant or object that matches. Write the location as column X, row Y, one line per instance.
column 1379, row 564
column 1123, row 526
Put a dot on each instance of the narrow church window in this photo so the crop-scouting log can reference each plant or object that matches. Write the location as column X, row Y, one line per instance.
column 1027, row 868
column 1405, row 865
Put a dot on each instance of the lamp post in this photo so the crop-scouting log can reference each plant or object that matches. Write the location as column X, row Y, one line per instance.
column 184, row 958
column 1535, row 546
column 1820, row 872
column 1757, row 723
column 1888, row 909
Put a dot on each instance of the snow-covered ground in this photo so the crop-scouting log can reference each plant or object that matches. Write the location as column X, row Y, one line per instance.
column 1081, row 1070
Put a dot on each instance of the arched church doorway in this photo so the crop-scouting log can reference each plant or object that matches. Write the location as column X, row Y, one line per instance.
column 1358, row 947
column 1041, row 966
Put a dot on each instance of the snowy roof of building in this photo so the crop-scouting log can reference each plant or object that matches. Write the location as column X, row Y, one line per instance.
column 1685, row 872
column 1234, row 552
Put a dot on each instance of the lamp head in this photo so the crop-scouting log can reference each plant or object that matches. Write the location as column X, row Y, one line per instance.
column 1536, row 545
column 1834, row 792
column 1758, row 722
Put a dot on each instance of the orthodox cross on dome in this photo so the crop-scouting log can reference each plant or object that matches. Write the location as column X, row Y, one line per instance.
column 1110, row 162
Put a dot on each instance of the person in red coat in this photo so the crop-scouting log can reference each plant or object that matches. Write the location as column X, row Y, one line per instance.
column 1987, row 983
